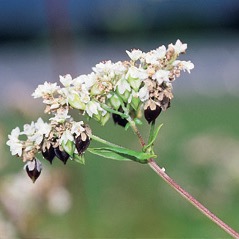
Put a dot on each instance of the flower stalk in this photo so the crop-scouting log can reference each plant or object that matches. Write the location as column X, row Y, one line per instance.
column 191, row 199
column 161, row 172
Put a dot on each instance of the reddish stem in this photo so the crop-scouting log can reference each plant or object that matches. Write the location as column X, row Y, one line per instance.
column 183, row 193
column 191, row 199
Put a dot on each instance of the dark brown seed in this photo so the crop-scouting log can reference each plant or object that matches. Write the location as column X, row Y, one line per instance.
column 33, row 169
column 119, row 120
column 150, row 115
column 81, row 145
column 49, row 154
column 61, row 154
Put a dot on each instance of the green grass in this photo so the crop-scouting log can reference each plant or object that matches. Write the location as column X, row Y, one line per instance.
column 127, row 200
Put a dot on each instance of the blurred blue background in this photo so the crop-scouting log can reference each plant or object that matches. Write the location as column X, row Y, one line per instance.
column 40, row 40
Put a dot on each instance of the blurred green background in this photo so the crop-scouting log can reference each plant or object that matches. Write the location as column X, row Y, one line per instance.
column 198, row 144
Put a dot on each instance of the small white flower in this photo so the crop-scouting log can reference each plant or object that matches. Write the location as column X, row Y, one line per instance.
column 123, row 85
column 14, row 134
column 60, row 117
column 134, row 54
column 42, row 127
column 77, row 128
column 92, row 108
column 16, row 148
column 179, row 47
column 160, row 76
column 36, row 131
column 103, row 67
column 29, row 129
column 66, row 80
column 144, row 93
column 67, row 93
column 14, row 142
column 184, row 65
column 160, row 52
column 119, row 68
column 45, row 89
column 135, row 72
column 67, row 135
column 85, row 80
column 153, row 57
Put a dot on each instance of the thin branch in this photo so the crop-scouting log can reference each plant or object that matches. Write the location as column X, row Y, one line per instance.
column 191, row 199
column 185, row 194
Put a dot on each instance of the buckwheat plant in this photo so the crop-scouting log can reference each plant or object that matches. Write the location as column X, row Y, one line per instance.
column 124, row 91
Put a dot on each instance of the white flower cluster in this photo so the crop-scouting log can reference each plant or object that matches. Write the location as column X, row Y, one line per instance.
column 32, row 137
column 114, row 84
column 122, row 89
column 37, row 135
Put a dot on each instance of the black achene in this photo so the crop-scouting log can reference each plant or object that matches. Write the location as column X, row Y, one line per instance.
column 33, row 169
column 82, row 142
column 119, row 120
column 152, row 114
column 49, row 153
column 61, row 154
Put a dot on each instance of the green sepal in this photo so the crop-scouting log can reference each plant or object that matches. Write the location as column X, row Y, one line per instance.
column 104, row 119
column 69, row 147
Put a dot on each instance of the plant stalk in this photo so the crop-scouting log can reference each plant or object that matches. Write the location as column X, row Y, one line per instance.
column 184, row 193
column 191, row 199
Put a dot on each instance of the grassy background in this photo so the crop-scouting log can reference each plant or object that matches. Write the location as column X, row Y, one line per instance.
column 198, row 143
column 198, row 146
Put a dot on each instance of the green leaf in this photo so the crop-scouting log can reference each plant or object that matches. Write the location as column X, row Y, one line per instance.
column 108, row 154
column 129, row 152
column 120, row 153
column 153, row 137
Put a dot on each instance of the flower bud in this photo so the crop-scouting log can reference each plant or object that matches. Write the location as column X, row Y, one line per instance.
column 48, row 153
column 151, row 111
column 104, row 119
column 82, row 142
column 33, row 169
column 115, row 101
column 61, row 154
column 76, row 102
